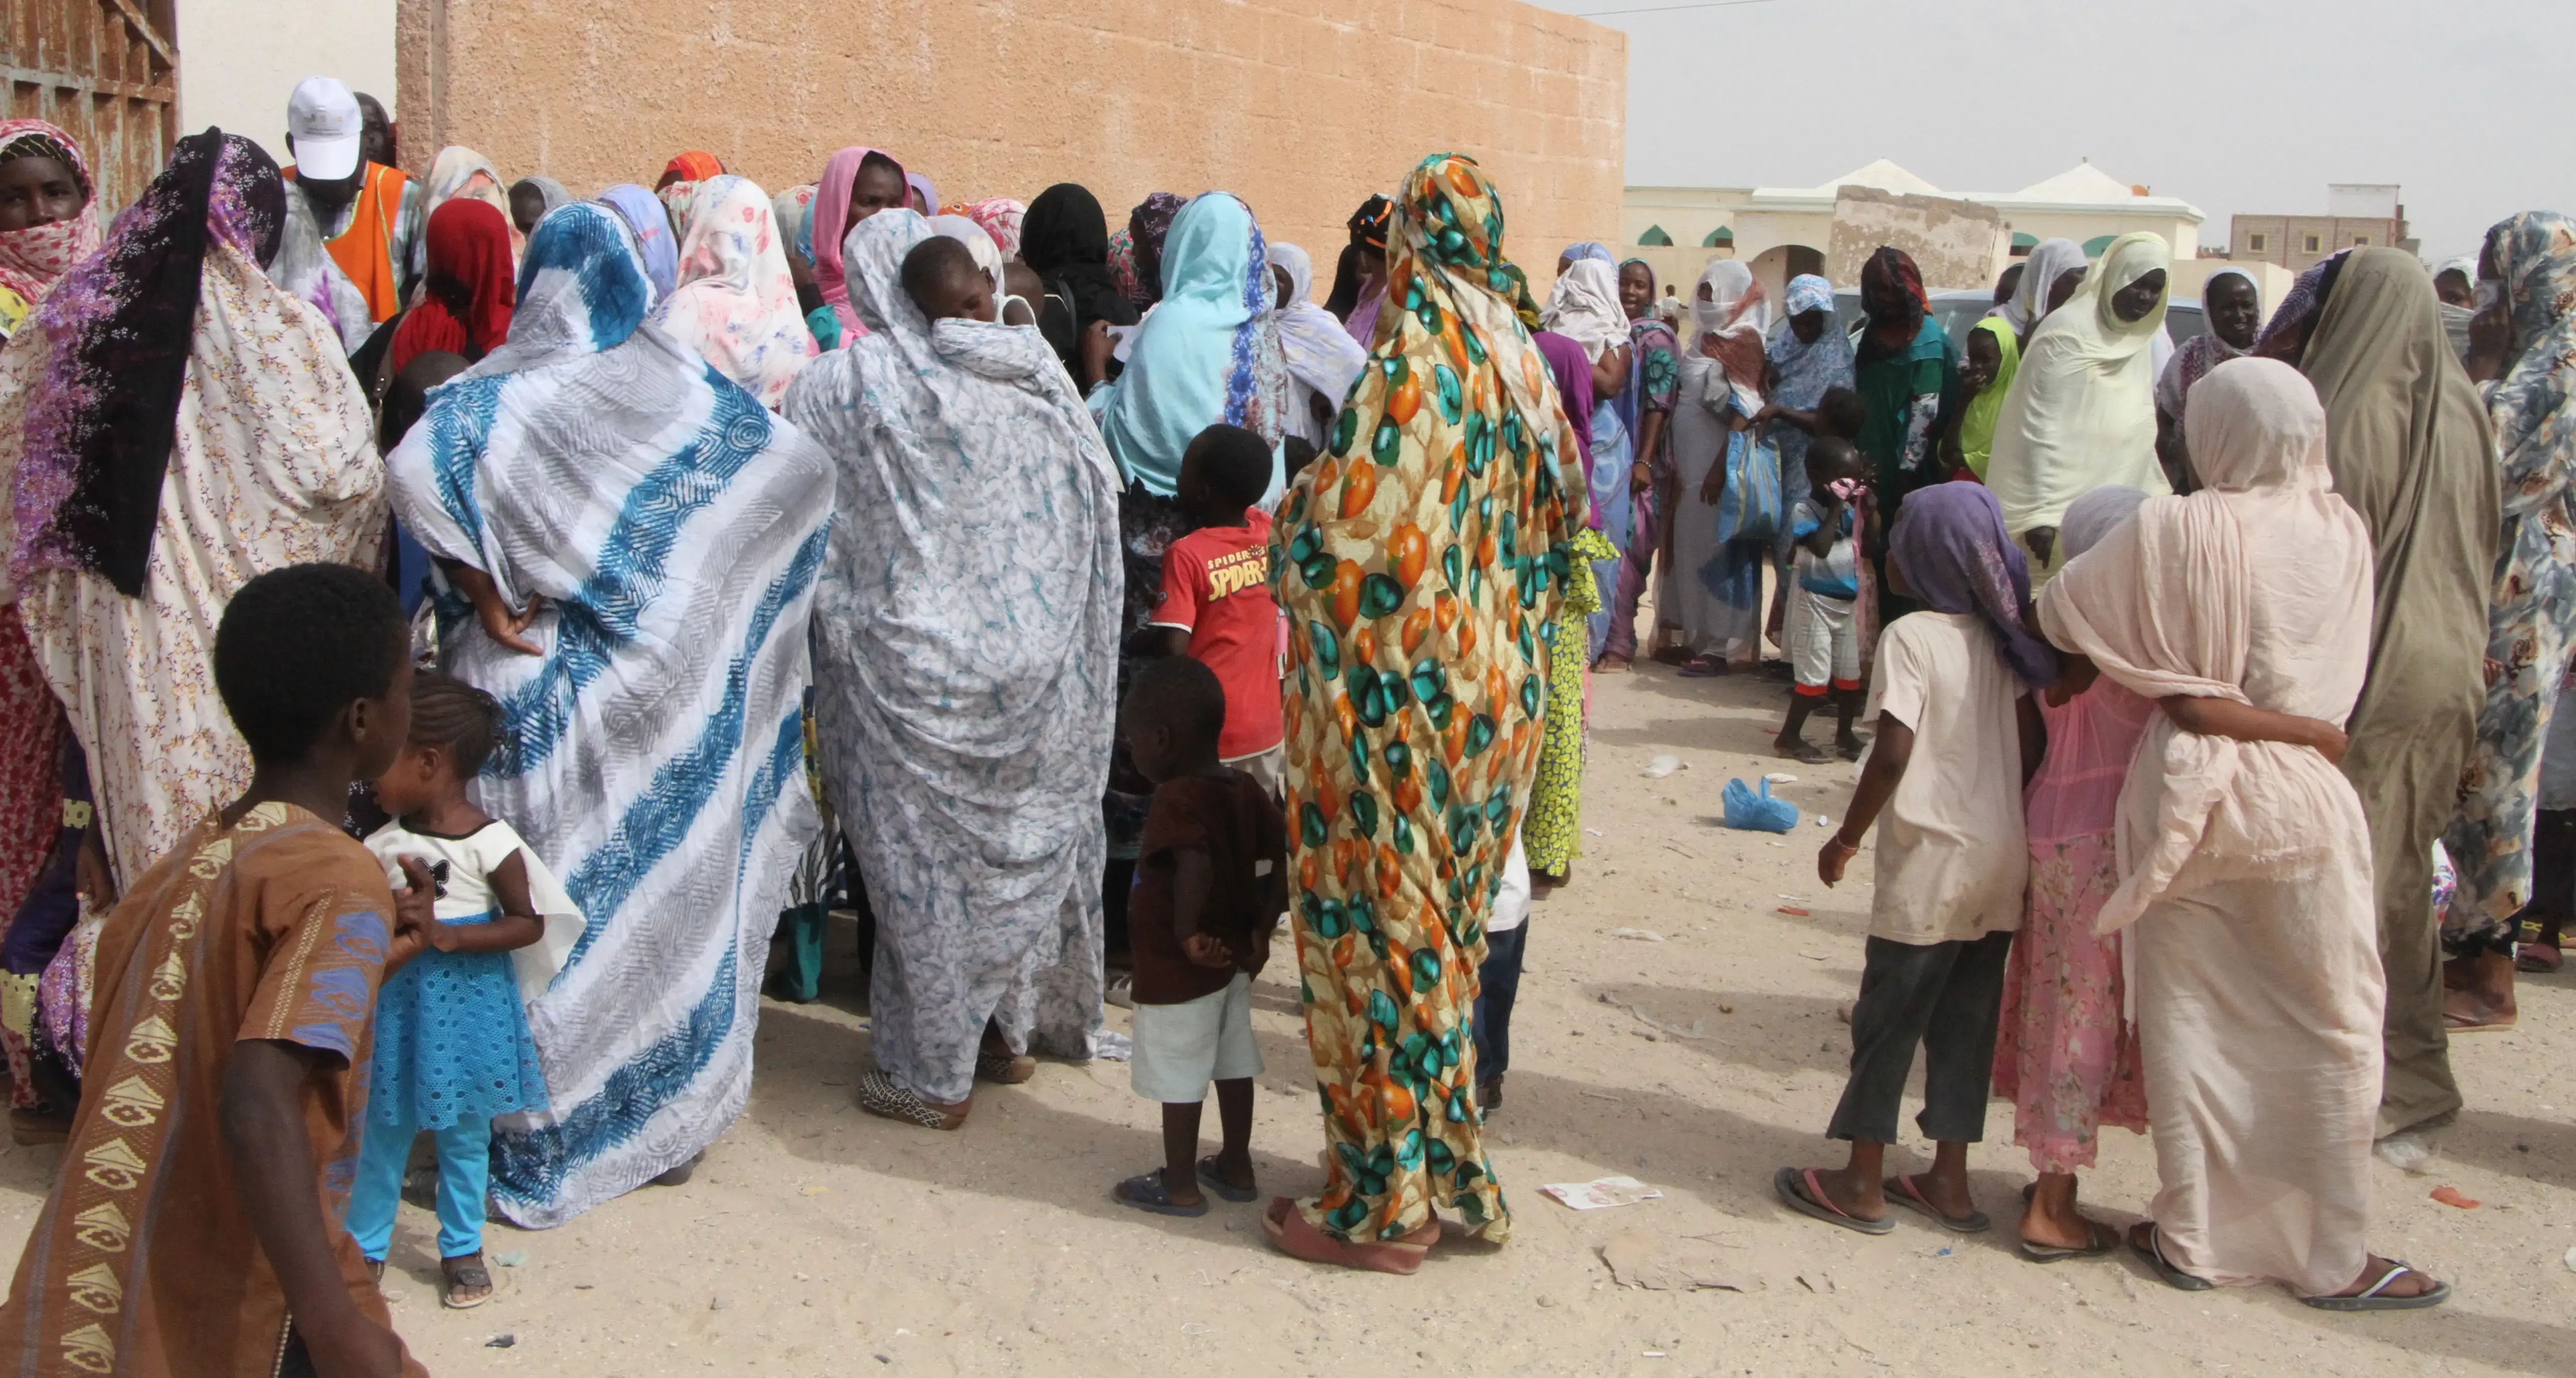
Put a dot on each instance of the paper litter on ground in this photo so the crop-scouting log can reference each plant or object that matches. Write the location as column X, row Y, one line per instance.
column 1662, row 766
column 1602, row 1194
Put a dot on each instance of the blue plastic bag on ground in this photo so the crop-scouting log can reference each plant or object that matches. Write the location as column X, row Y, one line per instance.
column 1758, row 812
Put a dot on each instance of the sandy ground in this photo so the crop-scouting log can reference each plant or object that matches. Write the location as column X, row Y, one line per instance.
column 818, row 1241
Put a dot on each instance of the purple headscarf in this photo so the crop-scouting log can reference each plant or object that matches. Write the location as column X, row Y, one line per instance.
column 2286, row 337
column 1951, row 546
column 1147, row 224
column 121, row 325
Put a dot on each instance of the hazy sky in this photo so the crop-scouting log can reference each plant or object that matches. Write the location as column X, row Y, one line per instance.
column 2231, row 106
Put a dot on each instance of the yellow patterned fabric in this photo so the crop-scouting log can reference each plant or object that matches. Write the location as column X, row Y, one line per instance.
column 1419, row 563
column 1552, row 827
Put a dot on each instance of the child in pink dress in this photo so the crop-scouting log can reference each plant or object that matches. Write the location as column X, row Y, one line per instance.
column 2066, row 1056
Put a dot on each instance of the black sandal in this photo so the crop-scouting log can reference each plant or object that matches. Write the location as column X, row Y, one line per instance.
column 2105, row 1241
column 1799, row 749
column 1211, row 1178
column 2154, row 1255
column 1801, row 1192
column 1901, row 1190
column 1146, row 1192
column 2371, row 1298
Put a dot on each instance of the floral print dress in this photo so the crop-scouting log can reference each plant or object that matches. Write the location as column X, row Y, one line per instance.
column 2064, row 1054
column 1420, row 563
column 1654, row 377
column 2531, row 622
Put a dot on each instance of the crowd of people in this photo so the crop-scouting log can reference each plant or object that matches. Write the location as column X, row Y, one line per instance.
column 642, row 576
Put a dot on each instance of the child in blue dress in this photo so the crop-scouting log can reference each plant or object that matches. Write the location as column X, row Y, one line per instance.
column 452, row 1047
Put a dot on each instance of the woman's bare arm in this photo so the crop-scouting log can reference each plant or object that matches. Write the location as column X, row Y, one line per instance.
column 2246, row 723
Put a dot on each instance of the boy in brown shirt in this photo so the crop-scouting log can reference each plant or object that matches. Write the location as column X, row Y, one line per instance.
column 1210, row 886
column 193, row 1229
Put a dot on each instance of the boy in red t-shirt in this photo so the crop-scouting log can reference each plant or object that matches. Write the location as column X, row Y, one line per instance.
column 1217, row 608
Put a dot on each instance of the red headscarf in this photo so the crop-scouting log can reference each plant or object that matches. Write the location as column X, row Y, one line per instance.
column 1893, row 267
column 465, row 307
column 692, row 166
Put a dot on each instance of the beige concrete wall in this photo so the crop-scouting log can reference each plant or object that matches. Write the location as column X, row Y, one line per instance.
column 2190, row 278
column 1955, row 244
column 1302, row 109
column 241, row 59
column 2085, row 226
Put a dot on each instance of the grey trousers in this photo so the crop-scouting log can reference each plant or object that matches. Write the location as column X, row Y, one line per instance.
column 1948, row 997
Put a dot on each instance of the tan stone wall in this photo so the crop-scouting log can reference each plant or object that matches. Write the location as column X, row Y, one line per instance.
column 1954, row 244
column 1302, row 109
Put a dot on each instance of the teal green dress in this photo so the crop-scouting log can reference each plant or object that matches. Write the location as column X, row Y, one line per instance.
column 1903, row 397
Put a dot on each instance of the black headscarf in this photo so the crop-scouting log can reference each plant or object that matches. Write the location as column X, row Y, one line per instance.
column 121, row 326
column 1064, row 239
column 1368, row 226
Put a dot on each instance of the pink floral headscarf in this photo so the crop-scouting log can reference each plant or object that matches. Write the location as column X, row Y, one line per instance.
column 736, row 302
column 999, row 216
column 33, row 259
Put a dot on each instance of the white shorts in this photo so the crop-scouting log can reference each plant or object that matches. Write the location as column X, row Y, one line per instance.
column 1828, row 641
column 1181, row 1048
column 1267, row 768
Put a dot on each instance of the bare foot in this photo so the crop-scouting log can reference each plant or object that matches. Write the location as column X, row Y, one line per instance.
column 1611, row 665
column 2051, row 1220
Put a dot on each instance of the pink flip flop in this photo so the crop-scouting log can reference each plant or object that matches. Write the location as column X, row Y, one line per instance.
column 1802, row 1193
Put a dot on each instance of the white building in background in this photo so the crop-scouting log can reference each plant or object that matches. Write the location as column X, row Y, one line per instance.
column 1783, row 231
column 240, row 59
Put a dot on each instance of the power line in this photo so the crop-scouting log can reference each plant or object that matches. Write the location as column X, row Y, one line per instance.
column 1668, row 9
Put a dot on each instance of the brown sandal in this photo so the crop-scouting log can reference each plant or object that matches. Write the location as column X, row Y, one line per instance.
column 883, row 1096
column 1010, row 1069
column 468, row 1284
column 1296, row 1236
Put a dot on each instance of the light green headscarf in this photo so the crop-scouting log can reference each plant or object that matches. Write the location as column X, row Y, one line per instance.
column 1977, row 428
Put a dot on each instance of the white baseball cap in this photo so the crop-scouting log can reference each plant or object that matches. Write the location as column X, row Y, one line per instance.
column 327, row 126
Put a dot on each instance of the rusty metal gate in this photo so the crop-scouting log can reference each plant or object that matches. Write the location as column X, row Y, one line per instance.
column 107, row 72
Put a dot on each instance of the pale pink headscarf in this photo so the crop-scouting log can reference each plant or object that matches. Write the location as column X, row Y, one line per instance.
column 2165, row 606
column 831, row 209
column 736, row 303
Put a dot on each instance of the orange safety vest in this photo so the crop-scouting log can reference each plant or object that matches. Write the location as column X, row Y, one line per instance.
column 364, row 251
